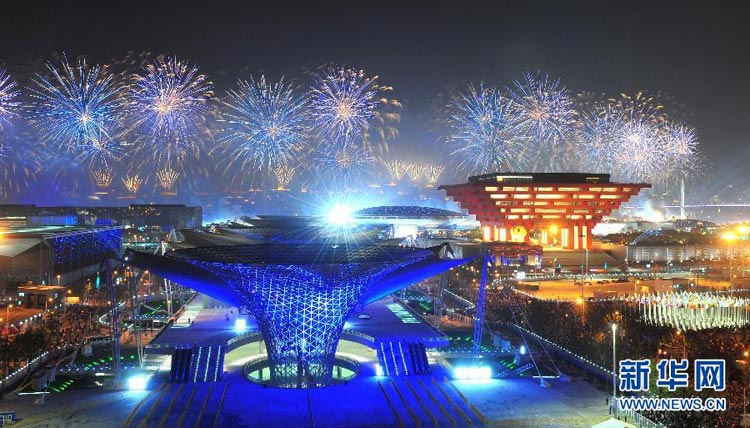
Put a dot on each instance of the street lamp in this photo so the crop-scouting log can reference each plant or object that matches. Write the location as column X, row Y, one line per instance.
column 7, row 314
column 58, row 279
column 614, row 365
column 729, row 237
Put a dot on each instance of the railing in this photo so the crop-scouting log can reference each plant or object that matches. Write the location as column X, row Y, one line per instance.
column 637, row 419
column 40, row 361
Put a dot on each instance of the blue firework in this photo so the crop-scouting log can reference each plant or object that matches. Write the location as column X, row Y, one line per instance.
column 484, row 132
column 600, row 131
column 680, row 147
column 167, row 104
column 547, row 116
column 342, row 102
column 8, row 98
column 265, row 125
column 345, row 166
column 78, row 110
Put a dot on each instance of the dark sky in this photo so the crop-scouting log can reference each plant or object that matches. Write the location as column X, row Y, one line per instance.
column 697, row 53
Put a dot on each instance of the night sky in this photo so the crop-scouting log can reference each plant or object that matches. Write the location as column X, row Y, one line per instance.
column 698, row 54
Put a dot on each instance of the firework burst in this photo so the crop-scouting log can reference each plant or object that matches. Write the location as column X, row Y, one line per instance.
column 167, row 178
column 342, row 103
column 102, row 178
column 132, row 183
column 284, row 175
column 167, row 104
column 414, row 171
column 546, row 115
column 345, row 165
column 8, row 98
column 77, row 110
column 680, row 145
column 639, row 157
column 265, row 126
column 484, row 132
column 396, row 170
column 432, row 173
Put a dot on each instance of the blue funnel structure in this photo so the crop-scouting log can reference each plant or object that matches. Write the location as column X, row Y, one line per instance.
column 301, row 295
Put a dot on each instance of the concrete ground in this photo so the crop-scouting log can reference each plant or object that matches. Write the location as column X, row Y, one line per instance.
column 366, row 401
column 524, row 403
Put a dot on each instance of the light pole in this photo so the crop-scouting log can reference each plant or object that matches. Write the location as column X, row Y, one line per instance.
column 614, row 366
column 58, row 279
column 7, row 314
column 729, row 237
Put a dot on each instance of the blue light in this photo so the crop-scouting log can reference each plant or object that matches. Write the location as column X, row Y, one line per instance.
column 522, row 349
column 240, row 325
column 137, row 382
column 340, row 215
column 472, row 373
column 378, row 370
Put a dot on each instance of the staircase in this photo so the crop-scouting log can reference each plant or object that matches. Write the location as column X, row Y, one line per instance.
column 182, row 405
column 197, row 364
column 419, row 401
column 401, row 358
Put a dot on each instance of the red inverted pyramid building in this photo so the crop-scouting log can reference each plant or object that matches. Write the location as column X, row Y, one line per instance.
column 557, row 207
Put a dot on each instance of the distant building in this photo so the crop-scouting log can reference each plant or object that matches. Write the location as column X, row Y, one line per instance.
column 41, row 296
column 559, row 209
column 165, row 216
column 54, row 255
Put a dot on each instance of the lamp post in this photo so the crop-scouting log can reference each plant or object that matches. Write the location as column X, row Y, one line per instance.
column 729, row 237
column 58, row 279
column 7, row 314
column 614, row 366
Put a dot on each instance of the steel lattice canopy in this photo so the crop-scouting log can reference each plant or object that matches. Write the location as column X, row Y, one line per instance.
column 301, row 295
column 299, row 254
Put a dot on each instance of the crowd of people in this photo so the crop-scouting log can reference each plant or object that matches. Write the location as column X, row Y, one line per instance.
column 584, row 329
column 67, row 326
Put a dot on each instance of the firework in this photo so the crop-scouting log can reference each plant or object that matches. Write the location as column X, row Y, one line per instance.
column 640, row 107
column 8, row 95
column 102, row 178
column 132, row 183
column 284, row 176
column 345, row 165
column 166, row 105
column 396, row 169
column 432, row 173
column 546, row 114
column 13, row 175
column 680, row 145
column 640, row 156
column 77, row 110
column 414, row 171
column 265, row 125
column 484, row 132
column 600, row 133
column 342, row 102
column 167, row 178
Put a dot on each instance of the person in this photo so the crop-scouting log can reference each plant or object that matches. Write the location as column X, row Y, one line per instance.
column 227, row 316
column 188, row 320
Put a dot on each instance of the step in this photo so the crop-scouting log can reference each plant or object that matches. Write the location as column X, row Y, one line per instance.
column 431, row 410
column 214, row 406
column 461, row 407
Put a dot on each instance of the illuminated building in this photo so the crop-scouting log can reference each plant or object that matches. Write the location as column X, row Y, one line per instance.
column 300, row 294
column 556, row 208
column 52, row 254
